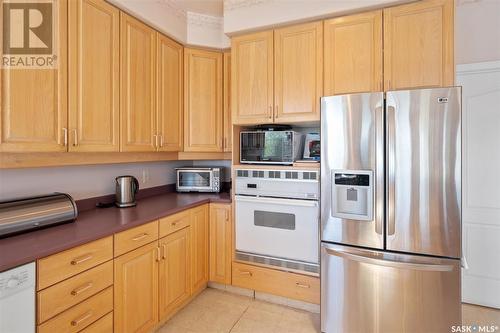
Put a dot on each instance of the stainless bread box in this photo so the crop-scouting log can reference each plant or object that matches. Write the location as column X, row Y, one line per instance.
column 24, row 214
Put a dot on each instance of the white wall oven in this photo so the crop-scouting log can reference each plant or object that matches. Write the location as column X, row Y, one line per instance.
column 277, row 218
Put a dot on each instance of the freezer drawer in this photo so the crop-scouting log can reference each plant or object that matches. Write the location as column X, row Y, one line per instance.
column 373, row 291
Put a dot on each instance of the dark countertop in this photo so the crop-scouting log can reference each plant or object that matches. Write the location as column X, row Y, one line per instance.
column 94, row 224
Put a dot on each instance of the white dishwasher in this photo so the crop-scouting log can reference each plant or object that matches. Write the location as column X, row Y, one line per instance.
column 17, row 299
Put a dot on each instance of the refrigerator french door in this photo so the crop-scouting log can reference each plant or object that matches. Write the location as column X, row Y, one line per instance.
column 390, row 211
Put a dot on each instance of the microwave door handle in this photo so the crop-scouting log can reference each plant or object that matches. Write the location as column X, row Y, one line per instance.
column 288, row 202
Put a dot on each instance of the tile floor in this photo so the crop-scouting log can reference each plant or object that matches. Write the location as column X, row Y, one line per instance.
column 215, row 311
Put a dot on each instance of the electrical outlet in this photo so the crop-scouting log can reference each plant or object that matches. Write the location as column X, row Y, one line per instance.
column 145, row 176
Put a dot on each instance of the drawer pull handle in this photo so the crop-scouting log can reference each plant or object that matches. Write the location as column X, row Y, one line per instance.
column 301, row 285
column 164, row 247
column 141, row 236
column 174, row 224
column 246, row 273
column 81, row 289
column 86, row 316
column 81, row 259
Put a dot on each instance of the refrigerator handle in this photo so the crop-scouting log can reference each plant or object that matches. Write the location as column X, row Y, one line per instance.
column 389, row 263
column 390, row 168
column 379, row 173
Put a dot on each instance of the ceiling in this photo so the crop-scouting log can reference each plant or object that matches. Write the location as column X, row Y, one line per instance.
column 207, row 7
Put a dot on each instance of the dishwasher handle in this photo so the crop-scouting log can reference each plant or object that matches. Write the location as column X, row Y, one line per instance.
column 277, row 201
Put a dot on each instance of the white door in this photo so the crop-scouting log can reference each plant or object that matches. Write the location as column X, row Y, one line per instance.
column 481, row 182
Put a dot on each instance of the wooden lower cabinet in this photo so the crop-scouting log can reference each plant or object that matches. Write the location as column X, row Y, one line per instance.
column 199, row 248
column 220, row 243
column 103, row 325
column 82, row 315
column 174, row 282
column 136, row 290
column 297, row 286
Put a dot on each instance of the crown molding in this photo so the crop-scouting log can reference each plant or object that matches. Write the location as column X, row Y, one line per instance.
column 238, row 4
column 466, row 2
column 208, row 21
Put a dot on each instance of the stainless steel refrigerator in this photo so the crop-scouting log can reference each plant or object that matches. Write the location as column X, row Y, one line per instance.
column 391, row 211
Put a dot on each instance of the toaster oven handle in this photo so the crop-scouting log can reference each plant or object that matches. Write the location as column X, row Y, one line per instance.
column 278, row 201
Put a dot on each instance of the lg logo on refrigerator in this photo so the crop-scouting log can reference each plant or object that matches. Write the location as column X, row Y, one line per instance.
column 28, row 34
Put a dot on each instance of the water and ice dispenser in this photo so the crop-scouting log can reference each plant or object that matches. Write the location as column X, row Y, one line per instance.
column 352, row 194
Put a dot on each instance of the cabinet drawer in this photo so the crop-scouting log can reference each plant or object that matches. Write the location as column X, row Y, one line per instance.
column 103, row 325
column 81, row 315
column 174, row 222
column 65, row 264
column 59, row 297
column 286, row 284
column 132, row 239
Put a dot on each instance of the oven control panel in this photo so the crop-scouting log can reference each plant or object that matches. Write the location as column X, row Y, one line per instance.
column 303, row 184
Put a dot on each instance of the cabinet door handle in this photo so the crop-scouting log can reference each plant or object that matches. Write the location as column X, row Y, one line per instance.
column 276, row 112
column 226, row 214
column 270, row 112
column 75, row 132
column 81, row 259
column 155, row 137
column 158, row 255
column 246, row 273
column 302, row 285
column 65, row 134
column 76, row 322
column 161, row 140
column 141, row 236
column 81, row 289
column 164, row 248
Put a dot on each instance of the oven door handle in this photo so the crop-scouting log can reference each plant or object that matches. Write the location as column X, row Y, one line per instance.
column 277, row 201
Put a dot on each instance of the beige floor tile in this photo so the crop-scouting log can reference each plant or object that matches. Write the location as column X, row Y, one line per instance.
column 480, row 315
column 268, row 307
column 245, row 325
column 187, row 316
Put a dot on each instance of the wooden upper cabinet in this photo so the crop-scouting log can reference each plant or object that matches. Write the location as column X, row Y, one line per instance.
column 136, row 290
column 353, row 54
column 418, row 45
column 34, row 102
column 252, row 78
column 169, row 94
column 138, row 68
column 94, row 76
column 221, row 238
column 228, row 125
column 199, row 248
column 202, row 101
column 175, row 283
column 298, row 72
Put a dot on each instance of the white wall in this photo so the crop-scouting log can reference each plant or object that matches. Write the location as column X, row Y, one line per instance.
column 477, row 31
column 84, row 181
column 244, row 15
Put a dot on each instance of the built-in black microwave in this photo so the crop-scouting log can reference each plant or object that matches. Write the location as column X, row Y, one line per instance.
column 270, row 147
